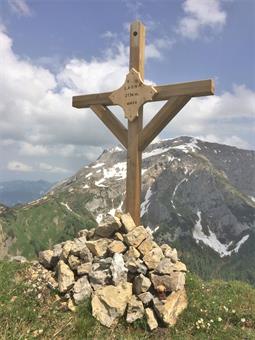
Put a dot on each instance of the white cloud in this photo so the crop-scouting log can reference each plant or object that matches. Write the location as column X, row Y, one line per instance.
column 109, row 35
column 155, row 50
column 36, row 105
column 19, row 166
column 201, row 15
column 20, row 6
column 241, row 102
column 231, row 140
column 38, row 121
column 134, row 7
column 33, row 150
column 226, row 118
column 92, row 151
column 96, row 75
column 51, row 168
column 151, row 51
column 65, row 150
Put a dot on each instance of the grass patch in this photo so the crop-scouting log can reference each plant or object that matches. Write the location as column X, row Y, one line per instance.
column 40, row 226
column 217, row 310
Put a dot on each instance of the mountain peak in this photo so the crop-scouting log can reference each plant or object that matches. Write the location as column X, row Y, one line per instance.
column 196, row 194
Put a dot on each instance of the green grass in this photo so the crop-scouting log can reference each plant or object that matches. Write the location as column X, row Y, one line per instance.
column 226, row 308
column 40, row 226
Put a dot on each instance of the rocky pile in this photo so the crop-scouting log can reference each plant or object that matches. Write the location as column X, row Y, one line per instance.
column 124, row 272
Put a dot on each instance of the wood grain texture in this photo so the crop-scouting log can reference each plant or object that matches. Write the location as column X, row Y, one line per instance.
column 161, row 119
column 134, row 155
column 193, row 89
column 86, row 100
column 137, row 47
column 113, row 124
column 164, row 92
column 135, row 138
column 134, row 167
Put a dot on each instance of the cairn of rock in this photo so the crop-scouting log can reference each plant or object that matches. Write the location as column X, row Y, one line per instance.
column 124, row 272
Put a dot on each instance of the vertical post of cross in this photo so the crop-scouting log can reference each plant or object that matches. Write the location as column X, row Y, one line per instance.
column 134, row 154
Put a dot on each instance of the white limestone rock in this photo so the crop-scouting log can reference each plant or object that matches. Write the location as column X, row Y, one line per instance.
column 141, row 284
column 118, row 269
column 65, row 277
column 136, row 236
column 127, row 222
column 117, row 247
column 146, row 297
column 108, row 227
column 84, row 268
column 81, row 290
column 153, row 257
column 98, row 247
column 46, row 258
column 151, row 319
column 169, row 309
column 110, row 302
column 135, row 310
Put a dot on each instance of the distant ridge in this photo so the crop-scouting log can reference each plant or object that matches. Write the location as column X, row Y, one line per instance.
column 22, row 191
column 196, row 195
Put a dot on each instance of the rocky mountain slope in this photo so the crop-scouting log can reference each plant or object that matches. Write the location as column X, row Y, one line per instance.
column 197, row 195
column 20, row 192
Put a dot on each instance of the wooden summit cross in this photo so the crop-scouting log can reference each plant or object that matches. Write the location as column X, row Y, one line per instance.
column 131, row 97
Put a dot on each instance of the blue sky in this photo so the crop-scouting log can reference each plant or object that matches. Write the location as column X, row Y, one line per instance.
column 51, row 50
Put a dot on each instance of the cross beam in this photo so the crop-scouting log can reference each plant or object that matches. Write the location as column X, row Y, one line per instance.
column 193, row 89
column 132, row 96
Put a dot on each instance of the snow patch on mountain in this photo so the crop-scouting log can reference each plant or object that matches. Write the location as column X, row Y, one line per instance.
column 116, row 149
column 252, row 198
column 187, row 147
column 98, row 165
column 67, row 206
column 212, row 241
column 119, row 170
column 36, row 201
column 175, row 190
column 114, row 210
column 239, row 243
column 99, row 183
column 171, row 158
column 145, row 205
column 155, row 152
column 111, row 212
column 152, row 231
column 99, row 218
